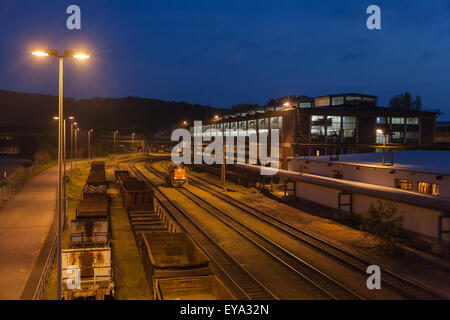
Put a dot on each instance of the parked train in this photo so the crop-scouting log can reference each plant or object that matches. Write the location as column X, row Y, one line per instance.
column 177, row 175
column 89, row 241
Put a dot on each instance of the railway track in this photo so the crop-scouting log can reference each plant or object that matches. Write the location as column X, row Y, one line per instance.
column 317, row 279
column 250, row 287
column 405, row 287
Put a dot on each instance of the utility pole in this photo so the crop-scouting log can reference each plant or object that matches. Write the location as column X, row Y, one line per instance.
column 60, row 128
column 76, row 145
column 89, row 144
column 71, row 144
column 114, row 135
column 223, row 174
column 65, row 177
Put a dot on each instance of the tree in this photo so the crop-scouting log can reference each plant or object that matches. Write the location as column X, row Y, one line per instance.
column 281, row 100
column 383, row 221
column 405, row 101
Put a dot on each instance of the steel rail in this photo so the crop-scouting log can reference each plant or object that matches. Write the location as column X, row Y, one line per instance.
column 249, row 286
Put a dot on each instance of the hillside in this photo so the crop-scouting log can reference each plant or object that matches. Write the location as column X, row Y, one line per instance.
column 37, row 110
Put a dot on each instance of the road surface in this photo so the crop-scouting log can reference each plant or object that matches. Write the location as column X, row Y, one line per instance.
column 24, row 223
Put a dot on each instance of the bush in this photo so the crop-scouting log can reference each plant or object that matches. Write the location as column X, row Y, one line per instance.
column 42, row 157
column 383, row 221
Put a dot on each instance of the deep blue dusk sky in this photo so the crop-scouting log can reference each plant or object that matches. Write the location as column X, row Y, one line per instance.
column 222, row 53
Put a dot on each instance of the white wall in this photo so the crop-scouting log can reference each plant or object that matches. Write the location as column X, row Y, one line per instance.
column 417, row 219
column 375, row 175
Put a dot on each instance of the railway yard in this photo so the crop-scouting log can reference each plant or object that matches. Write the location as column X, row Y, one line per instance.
column 136, row 236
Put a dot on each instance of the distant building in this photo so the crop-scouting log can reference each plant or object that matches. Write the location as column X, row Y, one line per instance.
column 344, row 123
column 422, row 172
column 443, row 132
column 418, row 184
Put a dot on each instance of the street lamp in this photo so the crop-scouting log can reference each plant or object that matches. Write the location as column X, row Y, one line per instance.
column 387, row 131
column 114, row 135
column 384, row 136
column 64, row 147
column 89, row 143
column 132, row 140
column 72, row 124
column 67, row 54
column 76, row 146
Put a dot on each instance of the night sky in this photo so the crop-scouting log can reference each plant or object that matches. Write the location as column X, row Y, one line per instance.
column 222, row 53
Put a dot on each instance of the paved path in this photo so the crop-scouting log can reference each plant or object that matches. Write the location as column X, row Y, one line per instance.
column 24, row 223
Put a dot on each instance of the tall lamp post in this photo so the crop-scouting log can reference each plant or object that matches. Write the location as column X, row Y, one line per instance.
column 67, row 54
column 89, row 143
column 387, row 131
column 72, row 124
column 114, row 138
column 132, row 140
column 76, row 145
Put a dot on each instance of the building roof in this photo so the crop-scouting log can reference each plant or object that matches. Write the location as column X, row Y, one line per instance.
column 429, row 161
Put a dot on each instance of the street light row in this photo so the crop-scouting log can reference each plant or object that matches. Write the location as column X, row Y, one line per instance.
column 80, row 55
column 216, row 118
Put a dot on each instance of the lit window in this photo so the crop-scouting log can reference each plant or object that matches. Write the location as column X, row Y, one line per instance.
column 424, row 187
column 398, row 120
column 430, row 188
column 305, row 104
column 404, row 184
column 337, row 101
column 349, row 98
column 412, row 120
column 435, row 190
column 381, row 120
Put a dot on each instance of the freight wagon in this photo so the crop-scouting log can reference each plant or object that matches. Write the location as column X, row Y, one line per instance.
column 87, row 273
column 171, row 255
column 192, row 288
column 137, row 195
column 94, row 191
column 93, row 208
column 121, row 173
column 89, row 232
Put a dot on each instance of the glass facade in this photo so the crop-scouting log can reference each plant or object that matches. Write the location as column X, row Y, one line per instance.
column 398, row 120
column 263, row 125
column 412, row 130
column 305, row 104
column 349, row 129
column 381, row 120
column 251, row 127
column 333, row 129
column 337, row 101
column 276, row 123
column 317, row 129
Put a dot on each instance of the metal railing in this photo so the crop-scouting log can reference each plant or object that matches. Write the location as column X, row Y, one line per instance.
column 40, row 288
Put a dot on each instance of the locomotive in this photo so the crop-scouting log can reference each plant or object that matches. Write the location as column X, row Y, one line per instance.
column 177, row 175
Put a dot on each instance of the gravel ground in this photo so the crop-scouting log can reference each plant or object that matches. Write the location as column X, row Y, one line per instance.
column 423, row 268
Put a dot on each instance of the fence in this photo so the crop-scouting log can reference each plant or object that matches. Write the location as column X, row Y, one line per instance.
column 14, row 182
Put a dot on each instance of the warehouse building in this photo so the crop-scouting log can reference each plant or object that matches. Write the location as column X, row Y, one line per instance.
column 331, row 124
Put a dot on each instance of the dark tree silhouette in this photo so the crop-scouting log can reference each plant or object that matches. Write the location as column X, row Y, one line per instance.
column 281, row 100
column 405, row 101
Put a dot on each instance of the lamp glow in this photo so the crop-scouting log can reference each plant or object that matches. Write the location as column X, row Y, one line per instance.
column 81, row 56
column 40, row 53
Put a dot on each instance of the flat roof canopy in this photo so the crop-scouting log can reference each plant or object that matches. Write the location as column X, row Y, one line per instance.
column 427, row 161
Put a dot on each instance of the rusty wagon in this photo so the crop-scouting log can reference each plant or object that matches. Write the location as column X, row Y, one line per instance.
column 171, row 255
column 192, row 288
column 136, row 194
column 87, row 274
